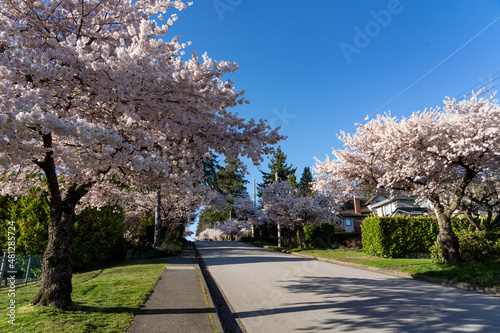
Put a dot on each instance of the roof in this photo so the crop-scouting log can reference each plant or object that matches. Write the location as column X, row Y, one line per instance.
column 393, row 199
column 347, row 208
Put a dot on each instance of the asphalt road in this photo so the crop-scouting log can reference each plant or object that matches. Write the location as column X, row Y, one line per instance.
column 274, row 292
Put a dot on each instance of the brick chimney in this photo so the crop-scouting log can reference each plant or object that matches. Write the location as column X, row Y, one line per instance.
column 357, row 206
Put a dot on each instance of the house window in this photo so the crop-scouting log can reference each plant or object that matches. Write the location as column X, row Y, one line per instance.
column 348, row 221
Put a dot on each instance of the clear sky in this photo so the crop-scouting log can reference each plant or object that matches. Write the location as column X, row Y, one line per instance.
column 317, row 67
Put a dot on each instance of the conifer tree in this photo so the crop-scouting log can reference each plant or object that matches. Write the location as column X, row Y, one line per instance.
column 231, row 180
column 278, row 168
column 305, row 184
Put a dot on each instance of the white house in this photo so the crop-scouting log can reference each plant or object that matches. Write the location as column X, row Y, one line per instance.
column 353, row 212
column 407, row 205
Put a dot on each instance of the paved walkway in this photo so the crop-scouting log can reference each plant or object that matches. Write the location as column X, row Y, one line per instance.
column 180, row 301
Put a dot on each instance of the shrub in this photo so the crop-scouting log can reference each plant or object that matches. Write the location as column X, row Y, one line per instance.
column 481, row 246
column 436, row 253
column 320, row 236
column 98, row 237
column 31, row 214
column 395, row 237
column 5, row 203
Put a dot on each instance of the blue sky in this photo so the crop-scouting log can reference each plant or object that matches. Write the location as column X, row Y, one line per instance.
column 317, row 67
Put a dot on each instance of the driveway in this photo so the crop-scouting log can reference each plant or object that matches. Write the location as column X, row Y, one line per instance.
column 275, row 292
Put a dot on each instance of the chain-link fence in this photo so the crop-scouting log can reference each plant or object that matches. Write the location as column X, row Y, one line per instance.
column 23, row 268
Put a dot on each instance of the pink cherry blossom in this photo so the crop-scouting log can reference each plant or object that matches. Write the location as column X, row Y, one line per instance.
column 436, row 154
column 94, row 94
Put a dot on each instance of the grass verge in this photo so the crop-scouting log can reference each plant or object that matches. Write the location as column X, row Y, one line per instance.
column 482, row 274
column 104, row 300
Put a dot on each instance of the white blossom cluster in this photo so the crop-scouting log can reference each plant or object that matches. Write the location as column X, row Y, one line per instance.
column 437, row 153
column 282, row 204
column 94, row 91
column 230, row 229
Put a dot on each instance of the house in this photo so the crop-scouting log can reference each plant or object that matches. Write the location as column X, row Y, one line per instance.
column 406, row 205
column 353, row 212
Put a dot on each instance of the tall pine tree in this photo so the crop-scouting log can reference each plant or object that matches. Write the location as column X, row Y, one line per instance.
column 305, row 183
column 278, row 166
column 231, row 180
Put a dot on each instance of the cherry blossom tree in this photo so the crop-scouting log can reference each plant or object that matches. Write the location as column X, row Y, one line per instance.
column 232, row 228
column 284, row 205
column 93, row 96
column 210, row 234
column 246, row 209
column 178, row 206
column 228, row 230
column 483, row 197
column 436, row 154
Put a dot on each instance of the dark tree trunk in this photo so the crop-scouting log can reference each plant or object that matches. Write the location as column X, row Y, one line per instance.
column 448, row 241
column 55, row 289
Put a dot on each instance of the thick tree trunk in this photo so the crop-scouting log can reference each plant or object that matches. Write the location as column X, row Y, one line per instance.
column 448, row 241
column 302, row 237
column 55, row 289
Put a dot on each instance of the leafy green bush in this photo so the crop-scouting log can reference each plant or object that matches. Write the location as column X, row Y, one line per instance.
column 5, row 203
column 436, row 254
column 321, row 236
column 31, row 214
column 98, row 233
column 394, row 237
column 98, row 237
column 479, row 246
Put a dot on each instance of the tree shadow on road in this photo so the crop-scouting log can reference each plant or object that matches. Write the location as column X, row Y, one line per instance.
column 236, row 253
column 390, row 305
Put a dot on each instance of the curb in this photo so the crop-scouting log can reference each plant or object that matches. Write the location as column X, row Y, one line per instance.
column 208, row 298
column 457, row 285
column 228, row 320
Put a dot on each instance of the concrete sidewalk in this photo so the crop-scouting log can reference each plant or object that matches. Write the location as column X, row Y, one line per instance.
column 180, row 301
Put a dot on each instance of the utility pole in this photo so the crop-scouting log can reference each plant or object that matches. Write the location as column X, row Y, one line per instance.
column 252, row 228
column 279, row 224
column 156, row 240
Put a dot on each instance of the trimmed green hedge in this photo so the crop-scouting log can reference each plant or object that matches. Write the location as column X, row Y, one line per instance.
column 395, row 237
column 321, row 236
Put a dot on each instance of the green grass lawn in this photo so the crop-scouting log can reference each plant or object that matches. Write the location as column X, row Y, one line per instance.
column 104, row 300
column 485, row 275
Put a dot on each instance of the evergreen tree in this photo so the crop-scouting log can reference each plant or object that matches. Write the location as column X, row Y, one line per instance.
column 231, row 180
column 278, row 167
column 292, row 180
column 210, row 168
column 305, row 184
